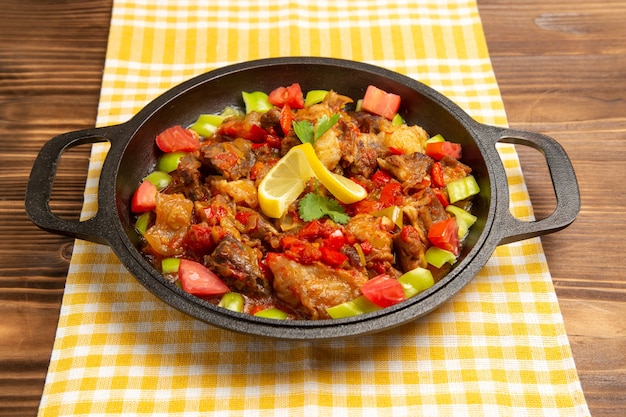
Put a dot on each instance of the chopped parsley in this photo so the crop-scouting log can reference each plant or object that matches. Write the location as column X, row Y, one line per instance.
column 307, row 133
column 314, row 206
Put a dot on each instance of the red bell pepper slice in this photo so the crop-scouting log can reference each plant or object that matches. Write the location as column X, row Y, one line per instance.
column 197, row 279
column 438, row 150
column 380, row 102
column 144, row 198
column 436, row 175
column 178, row 139
column 383, row 290
column 285, row 119
column 445, row 235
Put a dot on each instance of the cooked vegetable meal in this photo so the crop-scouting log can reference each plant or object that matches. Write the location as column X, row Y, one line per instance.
column 305, row 206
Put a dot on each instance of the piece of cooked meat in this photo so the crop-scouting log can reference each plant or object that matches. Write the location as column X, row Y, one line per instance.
column 238, row 266
column 453, row 170
column 409, row 169
column 188, row 179
column 375, row 230
column 233, row 159
column 313, row 288
column 424, row 209
column 410, row 249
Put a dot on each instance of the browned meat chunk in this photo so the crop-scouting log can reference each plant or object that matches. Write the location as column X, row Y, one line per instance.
column 173, row 218
column 409, row 169
column 311, row 289
column 376, row 231
column 360, row 153
column 233, row 159
column 238, row 266
column 255, row 225
column 188, row 180
column 424, row 210
column 453, row 169
column 410, row 249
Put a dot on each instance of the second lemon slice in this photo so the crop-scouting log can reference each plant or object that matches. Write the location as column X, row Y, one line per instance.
column 282, row 185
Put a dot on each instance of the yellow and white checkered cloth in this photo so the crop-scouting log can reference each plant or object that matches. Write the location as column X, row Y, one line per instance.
column 498, row 348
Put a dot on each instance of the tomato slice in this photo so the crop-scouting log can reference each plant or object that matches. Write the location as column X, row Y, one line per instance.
column 383, row 290
column 197, row 279
column 144, row 198
column 178, row 139
column 291, row 95
column 445, row 235
column 380, row 102
column 438, row 150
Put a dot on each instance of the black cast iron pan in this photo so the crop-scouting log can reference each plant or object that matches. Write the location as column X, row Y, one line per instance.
column 133, row 155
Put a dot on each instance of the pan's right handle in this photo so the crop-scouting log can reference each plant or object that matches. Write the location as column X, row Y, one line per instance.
column 563, row 180
column 40, row 184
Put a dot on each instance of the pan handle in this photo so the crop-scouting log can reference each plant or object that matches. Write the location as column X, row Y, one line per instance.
column 40, row 184
column 564, row 184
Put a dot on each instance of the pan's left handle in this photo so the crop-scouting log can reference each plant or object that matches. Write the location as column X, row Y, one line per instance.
column 40, row 184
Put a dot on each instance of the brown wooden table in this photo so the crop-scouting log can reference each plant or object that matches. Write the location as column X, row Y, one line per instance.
column 561, row 67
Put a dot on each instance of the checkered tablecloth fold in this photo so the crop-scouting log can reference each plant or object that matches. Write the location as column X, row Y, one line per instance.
column 497, row 348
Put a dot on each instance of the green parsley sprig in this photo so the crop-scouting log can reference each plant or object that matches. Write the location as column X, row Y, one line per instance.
column 314, row 206
column 307, row 133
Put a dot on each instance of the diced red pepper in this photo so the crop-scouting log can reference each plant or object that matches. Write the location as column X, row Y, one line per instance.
column 199, row 239
column 291, row 95
column 438, row 150
column 178, row 139
column 381, row 178
column 335, row 240
column 380, row 102
column 197, row 279
column 363, row 206
column 445, row 235
column 304, row 253
column 243, row 216
column 144, row 198
column 366, row 247
column 213, row 214
column 237, row 128
column 383, row 290
column 272, row 141
column 332, row 257
column 396, row 151
column 391, row 195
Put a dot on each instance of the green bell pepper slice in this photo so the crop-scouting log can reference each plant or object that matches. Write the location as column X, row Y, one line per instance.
column 416, row 281
column 170, row 265
column 232, row 301
column 437, row 256
column 272, row 313
column 359, row 305
column 464, row 219
column 462, row 189
column 256, row 101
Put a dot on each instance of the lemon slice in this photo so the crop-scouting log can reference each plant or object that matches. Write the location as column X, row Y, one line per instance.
column 344, row 189
column 282, row 185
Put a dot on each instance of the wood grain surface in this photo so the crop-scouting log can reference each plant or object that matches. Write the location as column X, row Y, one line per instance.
column 561, row 67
